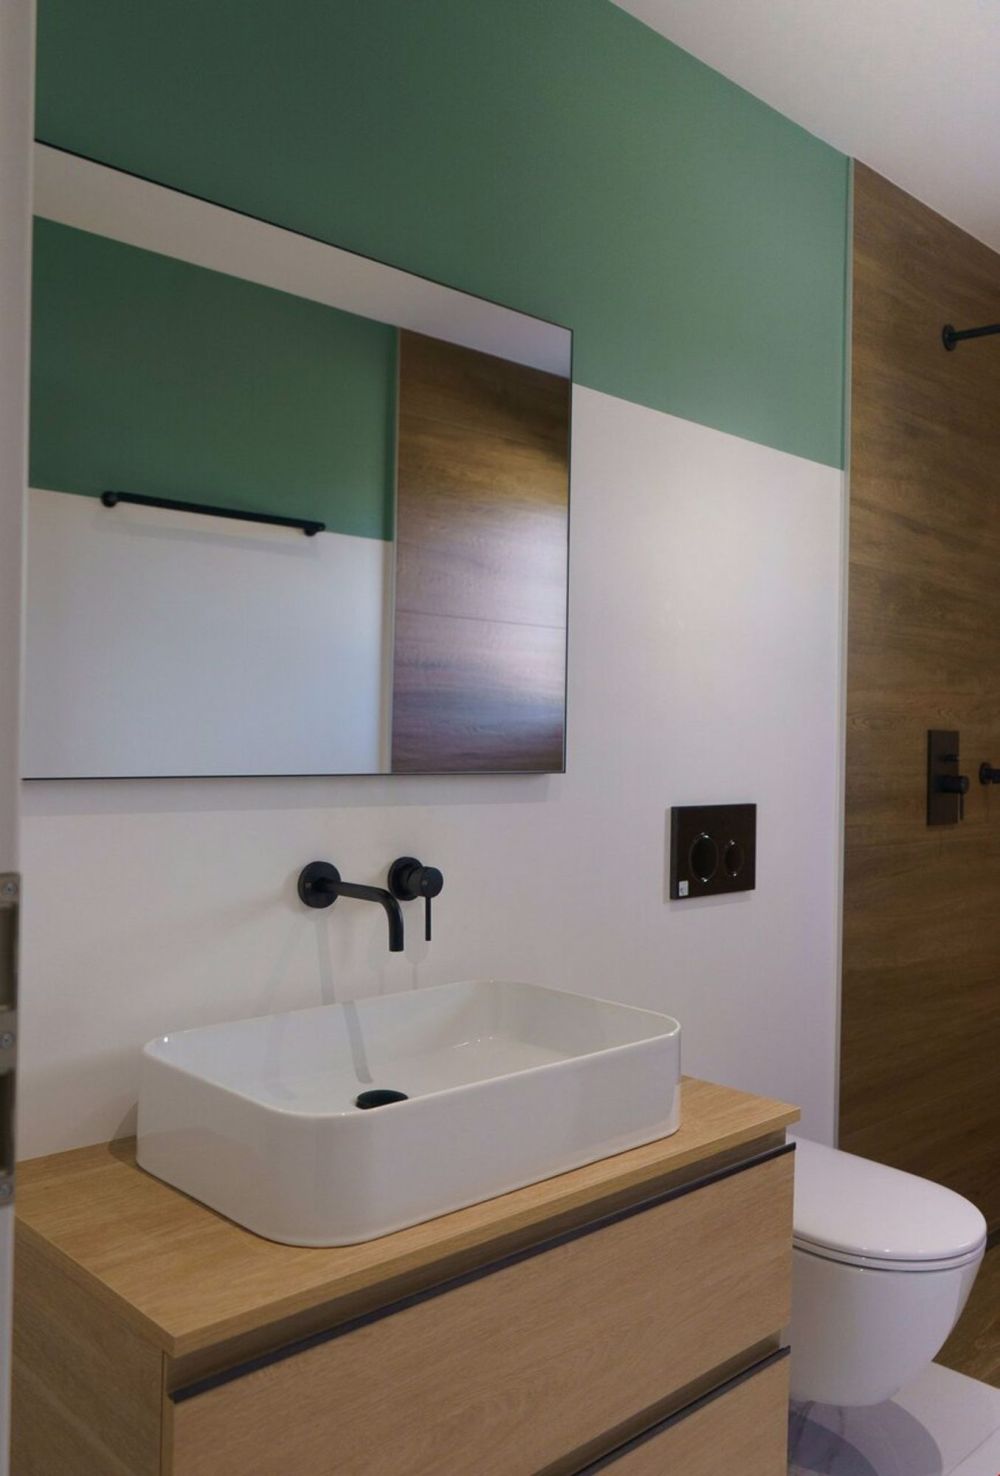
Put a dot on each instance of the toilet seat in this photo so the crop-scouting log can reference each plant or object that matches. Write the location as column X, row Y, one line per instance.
column 859, row 1213
column 886, row 1264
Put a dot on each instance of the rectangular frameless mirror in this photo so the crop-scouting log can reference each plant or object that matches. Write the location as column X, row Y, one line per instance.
column 292, row 511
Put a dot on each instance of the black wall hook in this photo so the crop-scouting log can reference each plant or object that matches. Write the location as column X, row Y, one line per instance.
column 408, row 880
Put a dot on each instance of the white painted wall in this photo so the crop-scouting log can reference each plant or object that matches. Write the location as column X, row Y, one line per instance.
column 160, row 642
column 704, row 666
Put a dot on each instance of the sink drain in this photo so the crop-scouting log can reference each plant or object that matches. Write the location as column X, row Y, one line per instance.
column 379, row 1097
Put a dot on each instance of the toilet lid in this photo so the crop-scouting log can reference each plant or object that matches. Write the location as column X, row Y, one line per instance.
column 868, row 1211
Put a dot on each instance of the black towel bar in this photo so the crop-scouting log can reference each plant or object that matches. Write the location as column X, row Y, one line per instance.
column 950, row 336
column 308, row 525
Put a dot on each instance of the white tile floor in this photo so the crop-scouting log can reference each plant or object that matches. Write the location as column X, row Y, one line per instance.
column 943, row 1424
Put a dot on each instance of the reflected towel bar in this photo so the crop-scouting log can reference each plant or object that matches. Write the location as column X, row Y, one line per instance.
column 309, row 526
column 951, row 336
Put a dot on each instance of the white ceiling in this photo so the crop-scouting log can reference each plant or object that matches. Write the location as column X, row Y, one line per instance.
column 911, row 87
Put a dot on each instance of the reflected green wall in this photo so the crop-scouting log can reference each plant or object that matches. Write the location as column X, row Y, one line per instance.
column 155, row 376
column 555, row 155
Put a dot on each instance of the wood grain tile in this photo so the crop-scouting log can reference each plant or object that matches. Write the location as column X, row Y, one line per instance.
column 477, row 696
column 974, row 1346
column 920, row 1065
column 482, row 530
column 479, row 670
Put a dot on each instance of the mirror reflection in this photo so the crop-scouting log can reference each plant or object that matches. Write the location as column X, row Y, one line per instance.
column 272, row 534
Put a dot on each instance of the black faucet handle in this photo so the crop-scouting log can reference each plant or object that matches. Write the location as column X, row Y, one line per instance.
column 431, row 883
column 410, row 879
column 955, row 784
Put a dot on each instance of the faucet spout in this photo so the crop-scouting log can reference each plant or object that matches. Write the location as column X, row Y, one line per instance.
column 386, row 900
column 320, row 885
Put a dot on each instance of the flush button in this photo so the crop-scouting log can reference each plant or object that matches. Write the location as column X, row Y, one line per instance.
column 704, row 857
column 713, row 849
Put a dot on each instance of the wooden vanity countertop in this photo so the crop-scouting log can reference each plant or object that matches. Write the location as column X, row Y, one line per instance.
column 186, row 1279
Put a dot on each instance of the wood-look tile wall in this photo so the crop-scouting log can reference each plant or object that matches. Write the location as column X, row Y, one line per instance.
column 482, row 521
column 920, row 1066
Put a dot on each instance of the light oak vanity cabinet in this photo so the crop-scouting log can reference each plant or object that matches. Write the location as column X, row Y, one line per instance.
column 622, row 1318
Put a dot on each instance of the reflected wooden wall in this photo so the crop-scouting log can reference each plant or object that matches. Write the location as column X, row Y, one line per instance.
column 481, row 527
column 920, row 1070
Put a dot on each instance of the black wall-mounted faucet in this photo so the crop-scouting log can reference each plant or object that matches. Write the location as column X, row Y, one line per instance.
column 408, row 880
column 320, row 885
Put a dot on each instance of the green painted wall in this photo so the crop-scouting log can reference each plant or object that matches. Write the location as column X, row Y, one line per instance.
column 151, row 375
column 556, row 155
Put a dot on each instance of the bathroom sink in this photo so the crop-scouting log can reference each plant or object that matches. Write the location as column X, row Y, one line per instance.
column 491, row 1086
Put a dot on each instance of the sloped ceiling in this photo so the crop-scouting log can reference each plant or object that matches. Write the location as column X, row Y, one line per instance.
column 911, row 87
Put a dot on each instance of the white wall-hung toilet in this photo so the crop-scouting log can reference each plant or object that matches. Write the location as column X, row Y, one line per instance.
column 883, row 1265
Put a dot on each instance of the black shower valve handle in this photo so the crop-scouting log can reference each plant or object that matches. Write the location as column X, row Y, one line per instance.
column 410, row 879
column 988, row 775
column 955, row 784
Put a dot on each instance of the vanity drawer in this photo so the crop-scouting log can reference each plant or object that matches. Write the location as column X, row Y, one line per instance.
column 505, row 1371
column 743, row 1428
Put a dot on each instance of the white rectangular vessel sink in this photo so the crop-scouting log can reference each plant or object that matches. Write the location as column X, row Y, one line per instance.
column 502, row 1085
